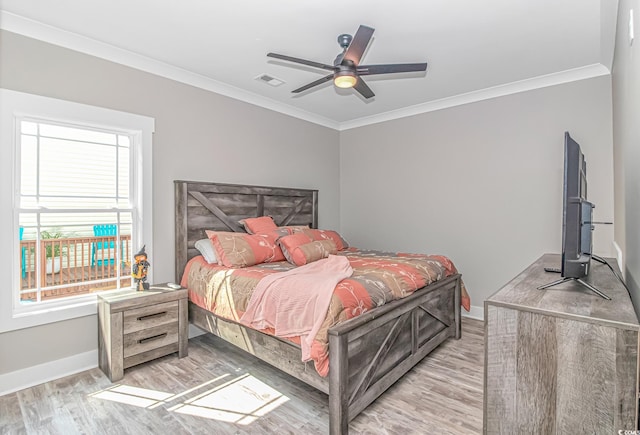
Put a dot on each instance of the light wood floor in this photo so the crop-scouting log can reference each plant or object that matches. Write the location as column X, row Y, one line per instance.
column 220, row 390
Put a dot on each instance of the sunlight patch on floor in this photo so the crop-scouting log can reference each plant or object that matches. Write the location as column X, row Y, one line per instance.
column 143, row 397
column 140, row 397
column 241, row 400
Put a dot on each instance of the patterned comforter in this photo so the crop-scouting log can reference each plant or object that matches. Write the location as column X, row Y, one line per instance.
column 378, row 278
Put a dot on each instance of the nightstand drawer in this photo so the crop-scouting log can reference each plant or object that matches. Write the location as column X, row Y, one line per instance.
column 149, row 339
column 150, row 316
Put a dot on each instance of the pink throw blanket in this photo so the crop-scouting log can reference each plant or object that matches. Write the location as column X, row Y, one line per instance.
column 295, row 303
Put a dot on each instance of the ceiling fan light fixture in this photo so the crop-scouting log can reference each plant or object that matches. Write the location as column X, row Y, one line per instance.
column 346, row 71
column 345, row 80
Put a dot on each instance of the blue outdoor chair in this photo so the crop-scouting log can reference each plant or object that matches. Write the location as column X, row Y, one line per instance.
column 24, row 256
column 102, row 231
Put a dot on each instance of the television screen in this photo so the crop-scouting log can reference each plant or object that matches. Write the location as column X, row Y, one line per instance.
column 576, row 224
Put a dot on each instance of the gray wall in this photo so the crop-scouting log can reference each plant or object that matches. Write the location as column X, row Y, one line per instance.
column 481, row 183
column 626, row 149
column 199, row 136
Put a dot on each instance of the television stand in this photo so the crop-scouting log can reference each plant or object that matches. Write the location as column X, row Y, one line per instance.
column 586, row 284
column 560, row 361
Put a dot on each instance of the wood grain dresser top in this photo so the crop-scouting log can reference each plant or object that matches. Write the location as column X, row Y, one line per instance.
column 570, row 299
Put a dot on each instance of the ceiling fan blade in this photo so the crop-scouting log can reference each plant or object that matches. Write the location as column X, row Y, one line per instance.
column 367, row 70
column 364, row 90
column 358, row 44
column 302, row 61
column 312, row 84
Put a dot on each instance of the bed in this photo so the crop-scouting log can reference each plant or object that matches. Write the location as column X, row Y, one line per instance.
column 368, row 353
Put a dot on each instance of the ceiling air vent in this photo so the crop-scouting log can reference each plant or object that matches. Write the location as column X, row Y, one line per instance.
column 270, row 80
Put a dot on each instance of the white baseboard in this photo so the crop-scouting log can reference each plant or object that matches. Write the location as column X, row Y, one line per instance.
column 41, row 373
column 476, row 312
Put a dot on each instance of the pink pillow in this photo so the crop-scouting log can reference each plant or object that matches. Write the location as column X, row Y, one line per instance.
column 260, row 224
column 319, row 235
column 242, row 250
column 271, row 237
column 299, row 249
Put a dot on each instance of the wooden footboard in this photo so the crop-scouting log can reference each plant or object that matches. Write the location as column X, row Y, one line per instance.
column 367, row 354
column 371, row 352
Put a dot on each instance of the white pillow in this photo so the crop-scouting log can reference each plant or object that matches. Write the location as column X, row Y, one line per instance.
column 206, row 249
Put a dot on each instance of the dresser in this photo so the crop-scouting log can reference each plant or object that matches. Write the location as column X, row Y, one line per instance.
column 561, row 360
column 138, row 326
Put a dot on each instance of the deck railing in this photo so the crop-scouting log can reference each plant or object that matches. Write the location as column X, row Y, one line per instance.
column 74, row 266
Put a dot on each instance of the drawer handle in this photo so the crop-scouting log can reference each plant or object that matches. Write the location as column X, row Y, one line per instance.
column 151, row 316
column 155, row 337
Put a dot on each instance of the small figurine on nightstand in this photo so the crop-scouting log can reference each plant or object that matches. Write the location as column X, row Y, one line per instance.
column 139, row 270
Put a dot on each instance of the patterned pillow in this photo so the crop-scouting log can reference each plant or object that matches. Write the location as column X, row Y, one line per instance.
column 260, row 224
column 272, row 237
column 299, row 249
column 295, row 228
column 242, row 250
column 319, row 235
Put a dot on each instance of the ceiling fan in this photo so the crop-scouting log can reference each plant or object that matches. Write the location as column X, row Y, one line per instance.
column 346, row 69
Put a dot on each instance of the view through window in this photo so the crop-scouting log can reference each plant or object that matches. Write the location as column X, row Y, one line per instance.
column 75, row 210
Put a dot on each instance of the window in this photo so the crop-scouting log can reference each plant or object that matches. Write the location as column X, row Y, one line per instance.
column 81, row 184
column 75, row 210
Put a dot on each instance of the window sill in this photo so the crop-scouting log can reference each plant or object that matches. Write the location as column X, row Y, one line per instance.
column 27, row 316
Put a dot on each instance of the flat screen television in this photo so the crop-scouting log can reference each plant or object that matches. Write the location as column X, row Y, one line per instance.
column 576, row 213
column 577, row 225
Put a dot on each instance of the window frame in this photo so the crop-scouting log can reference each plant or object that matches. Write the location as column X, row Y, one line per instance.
column 18, row 105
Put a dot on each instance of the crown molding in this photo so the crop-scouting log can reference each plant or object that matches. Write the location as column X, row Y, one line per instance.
column 44, row 32
column 37, row 30
column 572, row 75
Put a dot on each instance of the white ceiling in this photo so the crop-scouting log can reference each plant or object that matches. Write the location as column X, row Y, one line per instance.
column 475, row 49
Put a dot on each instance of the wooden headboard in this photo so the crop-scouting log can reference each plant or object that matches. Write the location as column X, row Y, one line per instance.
column 201, row 206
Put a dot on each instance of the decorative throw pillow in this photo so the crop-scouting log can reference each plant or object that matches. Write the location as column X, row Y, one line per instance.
column 318, row 235
column 295, row 228
column 299, row 249
column 242, row 250
column 207, row 250
column 271, row 238
column 260, row 224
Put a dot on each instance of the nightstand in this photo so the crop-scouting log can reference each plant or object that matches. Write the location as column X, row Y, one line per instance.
column 135, row 327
